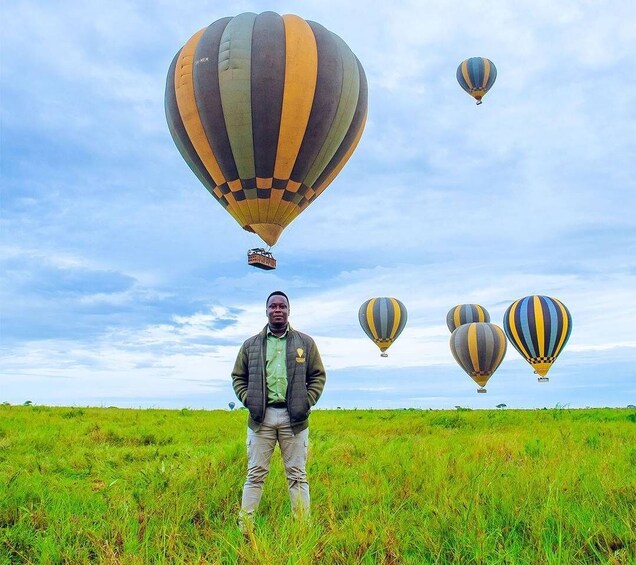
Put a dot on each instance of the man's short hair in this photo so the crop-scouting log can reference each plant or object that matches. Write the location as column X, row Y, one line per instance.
column 277, row 293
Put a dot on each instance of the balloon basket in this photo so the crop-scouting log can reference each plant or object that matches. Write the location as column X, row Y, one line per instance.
column 384, row 354
column 543, row 379
column 482, row 390
column 261, row 259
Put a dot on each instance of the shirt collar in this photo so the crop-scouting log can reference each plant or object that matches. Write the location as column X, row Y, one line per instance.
column 276, row 336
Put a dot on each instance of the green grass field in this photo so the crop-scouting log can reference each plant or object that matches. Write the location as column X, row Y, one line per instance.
column 90, row 485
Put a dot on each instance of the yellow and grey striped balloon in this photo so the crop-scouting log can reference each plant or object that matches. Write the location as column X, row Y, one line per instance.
column 266, row 110
column 383, row 320
column 479, row 348
column 466, row 314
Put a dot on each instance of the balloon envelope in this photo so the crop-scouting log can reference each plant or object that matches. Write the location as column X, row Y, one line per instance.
column 538, row 328
column 479, row 348
column 383, row 320
column 266, row 110
column 476, row 75
column 465, row 314
column 231, row 405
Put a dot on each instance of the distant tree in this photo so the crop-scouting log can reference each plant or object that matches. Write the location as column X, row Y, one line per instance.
column 27, row 403
column 631, row 406
column 5, row 403
column 501, row 405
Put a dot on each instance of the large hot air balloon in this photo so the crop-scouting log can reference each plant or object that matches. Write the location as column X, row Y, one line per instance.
column 479, row 348
column 383, row 320
column 465, row 314
column 538, row 327
column 266, row 110
column 476, row 75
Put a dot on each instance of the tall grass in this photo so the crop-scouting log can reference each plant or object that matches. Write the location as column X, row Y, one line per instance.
column 80, row 485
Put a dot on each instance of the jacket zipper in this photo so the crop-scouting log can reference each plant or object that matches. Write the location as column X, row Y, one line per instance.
column 263, row 373
column 290, row 379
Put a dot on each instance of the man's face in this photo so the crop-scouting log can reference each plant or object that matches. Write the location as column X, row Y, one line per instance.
column 277, row 311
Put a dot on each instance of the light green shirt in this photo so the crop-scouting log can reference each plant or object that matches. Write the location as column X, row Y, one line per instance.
column 276, row 367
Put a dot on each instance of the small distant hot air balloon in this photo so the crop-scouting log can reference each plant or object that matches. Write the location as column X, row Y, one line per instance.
column 383, row 320
column 476, row 75
column 479, row 348
column 266, row 110
column 231, row 405
column 538, row 327
column 465, row 314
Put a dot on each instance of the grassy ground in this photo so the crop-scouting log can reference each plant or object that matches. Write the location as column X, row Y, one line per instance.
column 80, row 485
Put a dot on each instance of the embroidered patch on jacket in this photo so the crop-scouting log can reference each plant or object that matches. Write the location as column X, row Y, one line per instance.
column 300, row 355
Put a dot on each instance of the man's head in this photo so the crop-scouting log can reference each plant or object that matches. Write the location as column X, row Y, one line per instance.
column 277, row 310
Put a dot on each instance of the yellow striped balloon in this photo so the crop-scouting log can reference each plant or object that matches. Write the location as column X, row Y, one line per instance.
column 383, row 320
column 479, row 348
column 538, row 327
column 266, row 110
column 465, row 314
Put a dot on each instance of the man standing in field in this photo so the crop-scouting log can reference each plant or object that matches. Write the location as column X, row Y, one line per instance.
column 278, row 376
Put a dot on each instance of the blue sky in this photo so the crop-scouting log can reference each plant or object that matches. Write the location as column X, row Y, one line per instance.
column 124, row 283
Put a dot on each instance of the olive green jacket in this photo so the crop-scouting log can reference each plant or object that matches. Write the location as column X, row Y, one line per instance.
column 306, row 378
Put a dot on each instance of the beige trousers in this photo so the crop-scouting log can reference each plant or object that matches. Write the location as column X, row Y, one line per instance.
column 276, row 427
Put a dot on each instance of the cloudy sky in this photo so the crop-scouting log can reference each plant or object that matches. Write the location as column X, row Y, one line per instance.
column 124, row 283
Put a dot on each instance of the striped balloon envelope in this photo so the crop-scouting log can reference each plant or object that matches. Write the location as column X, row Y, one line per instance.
column 479, row 348
column 266, row 110
column 465, row 314
column 383, row 320
column 476, row 75
column 538, row 327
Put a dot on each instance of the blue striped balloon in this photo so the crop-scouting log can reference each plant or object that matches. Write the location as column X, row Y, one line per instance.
column 476, row 75
column 538, row 328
